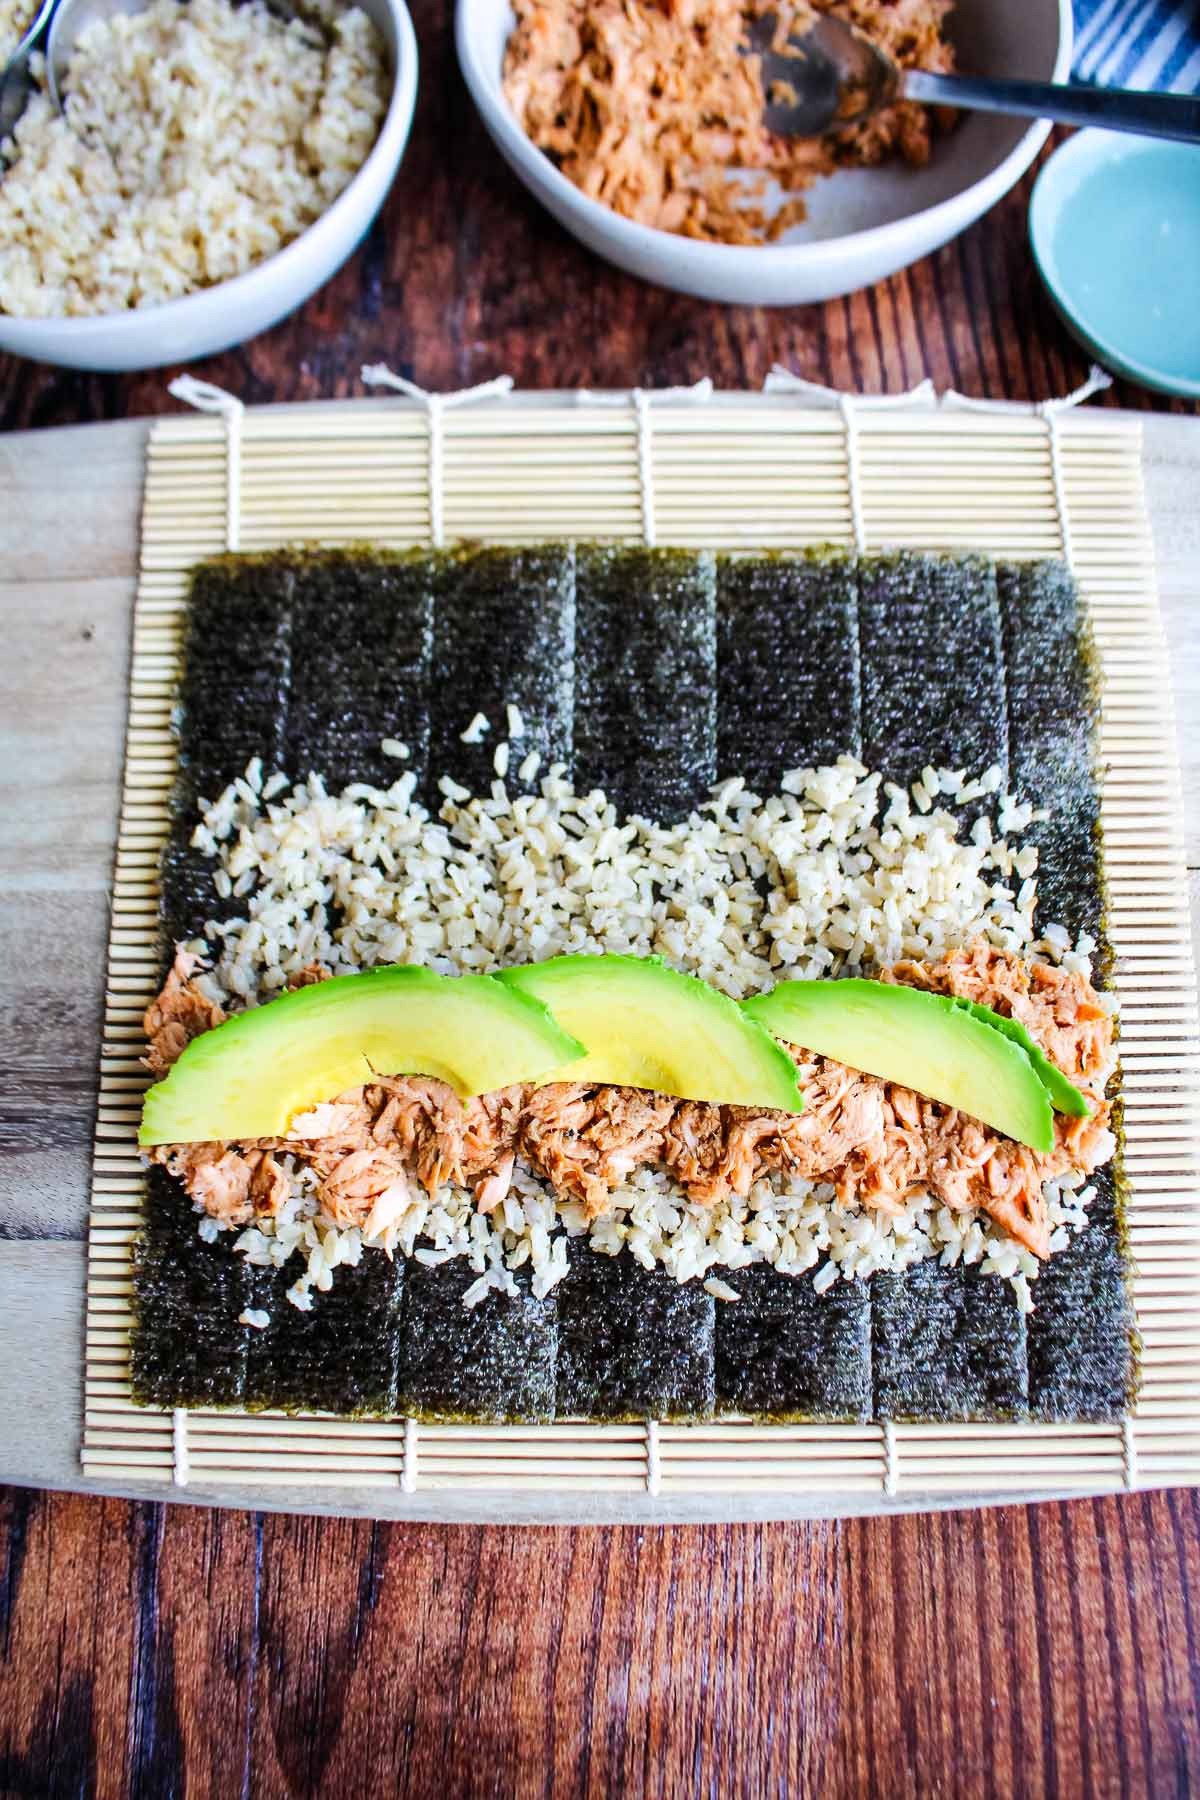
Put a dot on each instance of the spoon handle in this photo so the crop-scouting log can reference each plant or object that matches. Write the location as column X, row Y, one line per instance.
column 16, row 84
column 1113, row 109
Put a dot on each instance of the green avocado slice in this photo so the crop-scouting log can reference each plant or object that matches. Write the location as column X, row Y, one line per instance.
column 647, row 1026
column 250, row 1076
column 923, row 1041
column 1065, row 1097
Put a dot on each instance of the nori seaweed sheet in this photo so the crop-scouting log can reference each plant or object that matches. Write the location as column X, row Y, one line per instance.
column 788, row 696
column 361, row 636
column 1081, row 1359
column 186, row 1347
column 1051, row 703
column 343, row 1355
column 947, row 1344
column 632, row 1343
column 933, row 687
column 646, row 678
column 1081, row 1346
column 934, row 691
column 787, row 665
column 492, row 1362
column 232, row 707
column 784, row 1351
column 685, row 668
column 504, row 630
column 237, row 669
column 187, row 898
column 332, row 655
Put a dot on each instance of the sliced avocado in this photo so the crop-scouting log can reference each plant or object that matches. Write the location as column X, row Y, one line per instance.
column 1064, row 1096
column 922, row 1041
column 646, row 1026
column 250, row 1076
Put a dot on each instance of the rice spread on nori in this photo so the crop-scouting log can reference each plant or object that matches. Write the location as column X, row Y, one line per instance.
column 659, row 722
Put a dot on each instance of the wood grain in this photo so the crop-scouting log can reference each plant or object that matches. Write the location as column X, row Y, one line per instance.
column 153, row 1650
column 465, row 276
column 69, row 502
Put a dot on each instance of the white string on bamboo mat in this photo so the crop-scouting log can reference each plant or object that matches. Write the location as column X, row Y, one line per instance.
column 1051, row 412
column 209, row 399
column 653, row 1458
column 891, row 1459
column 1129, row 1458
column 782, row 381
column 408, row 1476
column 1128, row 1451
column 436, row 407
column 642, row 400
column 179, row 1447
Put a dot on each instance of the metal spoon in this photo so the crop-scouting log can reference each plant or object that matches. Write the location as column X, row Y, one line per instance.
column 61, row 21
column 16, row 83
column 829, row 74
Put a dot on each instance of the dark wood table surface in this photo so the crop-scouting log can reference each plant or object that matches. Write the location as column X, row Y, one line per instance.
column 169, row 1650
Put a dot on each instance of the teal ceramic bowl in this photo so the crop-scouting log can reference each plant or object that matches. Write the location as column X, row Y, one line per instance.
column 1115, row 227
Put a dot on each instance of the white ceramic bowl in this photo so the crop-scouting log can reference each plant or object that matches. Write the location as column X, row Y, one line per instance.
column 863, row 224
column 234, row 310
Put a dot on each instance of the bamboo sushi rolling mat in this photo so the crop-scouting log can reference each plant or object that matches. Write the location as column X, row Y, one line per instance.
column 691, row 469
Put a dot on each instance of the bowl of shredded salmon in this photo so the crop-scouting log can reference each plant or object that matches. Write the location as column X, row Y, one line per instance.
column 639, row 124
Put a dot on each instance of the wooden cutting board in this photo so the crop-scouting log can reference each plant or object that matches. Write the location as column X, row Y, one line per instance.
column 69, row 507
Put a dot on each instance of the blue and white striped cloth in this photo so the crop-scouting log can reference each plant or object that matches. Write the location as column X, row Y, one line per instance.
column 1138, row 44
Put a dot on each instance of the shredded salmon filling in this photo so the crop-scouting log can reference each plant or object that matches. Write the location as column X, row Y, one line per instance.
column 874, row 1140
column 649, row 105
column 180, row 1013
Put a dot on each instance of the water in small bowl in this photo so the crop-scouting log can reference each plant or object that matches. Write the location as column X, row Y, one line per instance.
column 1115, row 226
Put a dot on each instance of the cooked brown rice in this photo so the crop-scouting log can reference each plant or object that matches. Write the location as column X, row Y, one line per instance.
column 198, row 140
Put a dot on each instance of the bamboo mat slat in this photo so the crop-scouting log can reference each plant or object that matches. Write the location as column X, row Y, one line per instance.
column 740, row 471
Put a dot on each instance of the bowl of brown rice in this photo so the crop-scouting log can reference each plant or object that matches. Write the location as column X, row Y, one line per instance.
column 215, row 165
column 638, row 124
